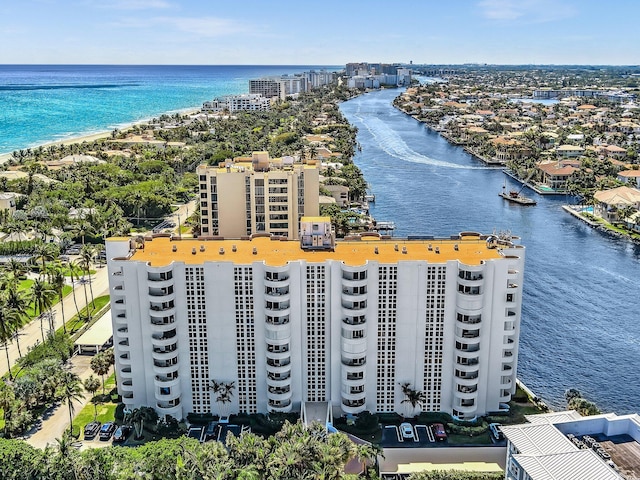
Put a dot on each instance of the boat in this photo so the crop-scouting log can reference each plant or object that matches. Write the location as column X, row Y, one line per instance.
column 514, row 196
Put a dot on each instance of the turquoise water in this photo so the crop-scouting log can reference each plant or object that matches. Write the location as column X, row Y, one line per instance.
column 45, row 103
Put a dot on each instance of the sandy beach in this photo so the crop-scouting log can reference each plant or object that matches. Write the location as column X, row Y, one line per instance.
column 4, row 157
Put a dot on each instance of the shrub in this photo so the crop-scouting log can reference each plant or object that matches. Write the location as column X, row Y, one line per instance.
column 434, row 417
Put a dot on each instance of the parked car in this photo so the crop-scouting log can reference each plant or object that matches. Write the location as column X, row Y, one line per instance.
column 107, row 430
column 121, row 434
column 91, row 430
column 406, row 430
column 438, row 431
column 496, row 431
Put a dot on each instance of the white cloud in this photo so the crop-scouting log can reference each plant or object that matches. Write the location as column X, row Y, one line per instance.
column 529, row 11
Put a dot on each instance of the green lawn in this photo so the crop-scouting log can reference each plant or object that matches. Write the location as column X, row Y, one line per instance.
column 106, row 411
column 455, row 439
column 25, row 285
column 78, row 321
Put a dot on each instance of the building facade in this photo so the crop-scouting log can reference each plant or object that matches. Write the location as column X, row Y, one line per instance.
column 261, row 195
column 312, row 321
column 236, row 103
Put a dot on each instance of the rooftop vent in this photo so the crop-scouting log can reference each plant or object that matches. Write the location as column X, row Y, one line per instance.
column 395, row 247
column 404, row 250
column 234, row 248
column 193, row 251
column 430, row 248
column 437, row 249
column 174, row 248
column 455, row 247
column 255, row 251
column 375, row 250
column 221, row 251
column 202, row 248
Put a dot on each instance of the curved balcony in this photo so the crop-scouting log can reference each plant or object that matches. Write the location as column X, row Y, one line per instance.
column 162, row 320
column 161, row 334
column 158, row 295
column 353, row 346
column 353, row 406
column 163, row 368
column 278, row 357
column 162, row 311
column 173, row 394
column 169, row 408
column 279, row 393
column 122, row 332
column 509, row 344
column 351, row 311
column 467, row 370
column 349, row 270
column 120, row 318
column 464, row 392
column 276, row 283
column 469, row 302
column 353, row 361
column 160, row 283
column 124, row 358
column 349, row 283
column 127, row 396
column 467, row 322
column 280, row 369
column 468, row 334
column 277, row 309
column 279, row 377
column 354, row 396
column 274, row 345
column 164, row 355
column 505, row 396
column 354, row 321
column 470, row 272
column 467, row 411
column 126, row 386
column 278, row 383
column 123, row 345
column 166, row 269
column 125, row 371
column 348, row 297
column 165, row 381
column 279, row 406
column 506, row 383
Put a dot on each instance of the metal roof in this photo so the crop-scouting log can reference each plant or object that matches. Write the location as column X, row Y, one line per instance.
column 538, row 439
column 554, row 417
column 576, row 465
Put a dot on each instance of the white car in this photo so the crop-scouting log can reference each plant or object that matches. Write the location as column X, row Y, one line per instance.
column 406, row 430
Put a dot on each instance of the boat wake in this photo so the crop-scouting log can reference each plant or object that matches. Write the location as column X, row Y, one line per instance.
column 392, row 144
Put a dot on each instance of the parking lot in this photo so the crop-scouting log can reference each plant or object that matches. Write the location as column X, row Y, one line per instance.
column 422, row 437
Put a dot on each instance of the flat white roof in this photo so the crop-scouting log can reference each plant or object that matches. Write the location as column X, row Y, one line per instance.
column 99, row 333
column 554, row 417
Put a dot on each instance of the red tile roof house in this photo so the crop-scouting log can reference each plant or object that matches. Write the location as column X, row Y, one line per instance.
column 556, row 174
column 630, row 177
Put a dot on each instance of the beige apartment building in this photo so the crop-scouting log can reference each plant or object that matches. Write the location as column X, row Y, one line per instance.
column 257, row 194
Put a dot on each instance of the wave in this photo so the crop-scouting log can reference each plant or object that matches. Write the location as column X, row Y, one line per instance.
column 63, row 87
column 392, row 144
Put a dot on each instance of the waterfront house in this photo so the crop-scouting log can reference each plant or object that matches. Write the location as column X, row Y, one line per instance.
column 609, row 202
column 630, row 177
column 555, row 174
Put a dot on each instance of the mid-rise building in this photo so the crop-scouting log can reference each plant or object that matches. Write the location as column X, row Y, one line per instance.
column 288, row 322
column 250, row 102
column 267, row 87
column 261, row 195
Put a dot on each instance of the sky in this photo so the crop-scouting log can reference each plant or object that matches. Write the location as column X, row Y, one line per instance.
column 324, row 32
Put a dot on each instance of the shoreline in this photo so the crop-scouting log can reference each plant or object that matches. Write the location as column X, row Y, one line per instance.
column 90, row 137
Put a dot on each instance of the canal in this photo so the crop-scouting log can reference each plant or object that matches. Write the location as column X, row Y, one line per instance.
column 580, row 315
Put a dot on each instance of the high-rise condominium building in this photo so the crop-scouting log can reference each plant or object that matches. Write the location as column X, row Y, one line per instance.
column 261, row 195
column 289, row 322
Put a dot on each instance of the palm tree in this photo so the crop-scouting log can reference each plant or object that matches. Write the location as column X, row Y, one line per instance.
column 223, row 390
column 91, row 385
column 73, row 288
column 100, row 365
column 71, row 391
column 412, row 397
column 8, row 321
column 17, row 302
column 7, row 399
column 44, row 252
column 82, row 228
column 87, row 254
column 58, row 282
column 42, row 297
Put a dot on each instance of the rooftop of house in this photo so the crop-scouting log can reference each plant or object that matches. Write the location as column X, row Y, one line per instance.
column 469, row 250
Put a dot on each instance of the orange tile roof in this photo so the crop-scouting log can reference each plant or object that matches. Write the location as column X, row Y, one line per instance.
column 158, row 252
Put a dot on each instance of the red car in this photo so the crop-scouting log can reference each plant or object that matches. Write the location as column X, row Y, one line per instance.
column 438, row 431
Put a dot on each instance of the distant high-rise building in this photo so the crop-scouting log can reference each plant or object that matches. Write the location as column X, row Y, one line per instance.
column 257, row 194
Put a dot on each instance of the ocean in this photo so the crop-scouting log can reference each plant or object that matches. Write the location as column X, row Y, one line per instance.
column 48, row 103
